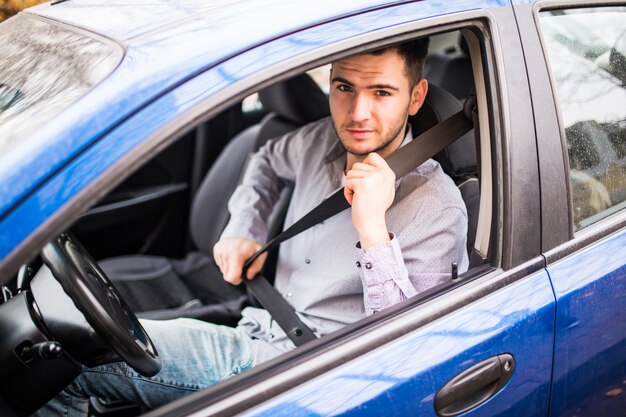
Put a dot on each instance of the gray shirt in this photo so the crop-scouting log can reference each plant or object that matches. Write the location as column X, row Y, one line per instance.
column 322, row 272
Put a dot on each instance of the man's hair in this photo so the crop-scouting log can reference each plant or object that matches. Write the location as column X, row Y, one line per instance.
column 414, row 55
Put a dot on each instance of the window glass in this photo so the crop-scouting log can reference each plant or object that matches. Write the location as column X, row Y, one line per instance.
column 44, row 68
column 320, row 75
column 587, row 53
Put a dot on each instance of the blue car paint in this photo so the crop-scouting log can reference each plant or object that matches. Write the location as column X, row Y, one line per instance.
column 161, row 59
column 518, row 319
column 582, row 370
column 81, row 127
column 590, row 287
column 154, row 63
column 125, row 21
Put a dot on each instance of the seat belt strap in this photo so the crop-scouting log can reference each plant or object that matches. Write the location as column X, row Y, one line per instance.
column 401, row 162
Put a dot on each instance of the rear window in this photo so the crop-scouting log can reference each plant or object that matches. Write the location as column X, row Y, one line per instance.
column 44, row 68
column 587, row 52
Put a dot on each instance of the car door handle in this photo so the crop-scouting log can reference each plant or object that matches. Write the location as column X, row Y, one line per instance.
column 474, row 386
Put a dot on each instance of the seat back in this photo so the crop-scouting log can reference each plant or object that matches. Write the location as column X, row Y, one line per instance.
column 291, row 104
column 458, row 159
column 451, row 70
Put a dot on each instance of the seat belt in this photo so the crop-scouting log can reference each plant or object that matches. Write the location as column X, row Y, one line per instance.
column 401, row 162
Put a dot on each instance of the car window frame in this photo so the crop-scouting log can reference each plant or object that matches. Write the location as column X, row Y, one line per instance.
column 570, row 240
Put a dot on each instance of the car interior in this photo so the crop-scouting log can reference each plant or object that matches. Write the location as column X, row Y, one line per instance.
column 164, row 285
column 153, row 235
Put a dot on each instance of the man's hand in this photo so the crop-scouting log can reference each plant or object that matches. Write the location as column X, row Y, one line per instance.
column 370, row 189
column 230, row 255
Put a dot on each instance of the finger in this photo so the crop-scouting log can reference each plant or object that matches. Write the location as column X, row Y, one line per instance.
column 363, row 166
column 232, row 277
column 217, row 255
column 358, row 174
column 256, row 266
column 375, row 160
column 233, row 271
column 219, row 260
column 348, row 194
column 355, row 184
column 381, row 165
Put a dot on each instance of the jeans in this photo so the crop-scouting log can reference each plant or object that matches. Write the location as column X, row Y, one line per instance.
column 194, row 354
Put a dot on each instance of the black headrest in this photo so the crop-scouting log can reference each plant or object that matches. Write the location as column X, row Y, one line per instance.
column 463, row 46
column 459, row 158
column 298, row 99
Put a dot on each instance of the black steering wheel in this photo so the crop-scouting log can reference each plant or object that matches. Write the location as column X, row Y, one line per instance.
column 103, row 307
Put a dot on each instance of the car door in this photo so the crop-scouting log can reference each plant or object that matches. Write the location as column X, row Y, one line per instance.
column 586, row 246
column 481, row 347
column 147, row 213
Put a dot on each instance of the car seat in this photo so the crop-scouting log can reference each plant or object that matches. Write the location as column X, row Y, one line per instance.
column 451, row 70
column 158, row 287
column 458, row 159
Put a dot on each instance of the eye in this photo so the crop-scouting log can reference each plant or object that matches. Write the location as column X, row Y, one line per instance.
column 345, row 88
column 382, row 93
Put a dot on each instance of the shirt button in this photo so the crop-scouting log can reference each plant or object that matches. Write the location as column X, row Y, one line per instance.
column 270, row 336
column 358, row 264
column 288, row 295
column 368, row 265
column 307, row 261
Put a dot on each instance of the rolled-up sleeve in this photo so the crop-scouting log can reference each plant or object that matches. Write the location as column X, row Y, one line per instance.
column 390, row 274
column 384, row 276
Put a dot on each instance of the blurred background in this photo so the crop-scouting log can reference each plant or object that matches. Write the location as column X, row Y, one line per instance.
column 10, row 7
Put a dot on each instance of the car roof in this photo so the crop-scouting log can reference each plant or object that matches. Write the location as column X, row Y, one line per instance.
column 165, row 42
column 127, row 22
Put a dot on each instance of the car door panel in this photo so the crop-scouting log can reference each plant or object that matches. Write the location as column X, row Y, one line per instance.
column 402, row 377
column 587, row 267
column 147, row 213
column 589, row 364
column 129, row 221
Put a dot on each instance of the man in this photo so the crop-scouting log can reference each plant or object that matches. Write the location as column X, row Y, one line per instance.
column 371, row 97
column 409, row 231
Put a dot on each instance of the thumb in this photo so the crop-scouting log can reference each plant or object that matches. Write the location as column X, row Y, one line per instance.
column 256, row 266
column 348, row 193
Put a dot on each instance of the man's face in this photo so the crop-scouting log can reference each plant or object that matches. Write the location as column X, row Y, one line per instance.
column 370, row 100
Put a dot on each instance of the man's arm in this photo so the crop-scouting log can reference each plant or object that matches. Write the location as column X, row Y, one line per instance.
column 231, row 253
column 370, row 188
column 391, row 274
column 370, row 191
column 251, row 205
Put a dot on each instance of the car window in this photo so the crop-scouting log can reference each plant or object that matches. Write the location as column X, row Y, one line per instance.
column 37, row 78
column 320, row 75
column 586, row 49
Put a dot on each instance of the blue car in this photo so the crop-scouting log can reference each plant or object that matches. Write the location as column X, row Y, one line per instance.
column 126, row 126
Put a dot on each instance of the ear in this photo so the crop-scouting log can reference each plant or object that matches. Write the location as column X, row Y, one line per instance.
column 418, row 95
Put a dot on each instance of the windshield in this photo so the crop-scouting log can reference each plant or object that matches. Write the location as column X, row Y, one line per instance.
column 44, row 68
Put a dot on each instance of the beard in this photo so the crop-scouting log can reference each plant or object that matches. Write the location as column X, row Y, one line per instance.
column 395, row 132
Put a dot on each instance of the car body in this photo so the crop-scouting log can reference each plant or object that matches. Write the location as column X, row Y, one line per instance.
column 542, row 311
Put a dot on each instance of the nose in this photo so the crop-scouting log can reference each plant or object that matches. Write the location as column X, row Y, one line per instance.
column 361, row 109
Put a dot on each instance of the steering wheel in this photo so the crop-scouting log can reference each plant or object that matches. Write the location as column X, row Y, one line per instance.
column 98, row 300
